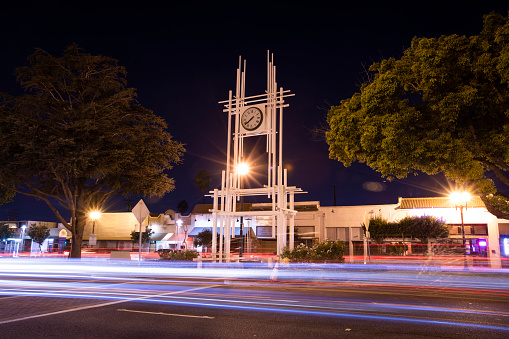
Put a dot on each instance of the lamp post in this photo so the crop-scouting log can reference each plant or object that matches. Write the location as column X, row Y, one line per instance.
column 94, row 215
column 23, row 230
column 460, row 200
column 243, row 169
column 179, row 223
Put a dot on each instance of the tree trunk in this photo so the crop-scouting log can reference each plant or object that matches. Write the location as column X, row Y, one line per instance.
column 77, row 234
column 75, row 246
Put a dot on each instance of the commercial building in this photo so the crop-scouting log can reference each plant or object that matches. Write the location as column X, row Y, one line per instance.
column 19, row 241
column 485, row 235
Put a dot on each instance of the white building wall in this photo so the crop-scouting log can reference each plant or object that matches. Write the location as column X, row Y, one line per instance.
column 353, row 216
column 470, row 216
column 113, row 226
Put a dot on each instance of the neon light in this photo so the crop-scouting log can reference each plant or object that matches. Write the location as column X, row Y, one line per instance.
column 482, row 243
column 506, row 246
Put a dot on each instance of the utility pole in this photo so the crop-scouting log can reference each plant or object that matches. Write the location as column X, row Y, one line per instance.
column 13, row 214
column 334, row 188
column 129, row 204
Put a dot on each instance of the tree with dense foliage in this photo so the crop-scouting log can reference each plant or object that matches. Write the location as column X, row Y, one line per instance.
column 6, row 232
column 145, row 236
column 443, row 107
column 204, row 238
column 79, row 136
column 39, row 234
column 202, row 182
column 412, row 227
column 380, row 228
column 423, row 228
column 182, row 207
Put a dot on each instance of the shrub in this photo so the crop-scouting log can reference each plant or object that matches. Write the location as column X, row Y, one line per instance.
column 328, row 250
column 301, row 252
column 177, row 254
column 396, row 249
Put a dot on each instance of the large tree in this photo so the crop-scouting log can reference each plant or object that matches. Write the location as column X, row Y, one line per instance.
column 145, row 236
column 39, row 234
column 78, row 136
column 6, row 232
column 182, row 207
column 413, row 227
column 443, row 107
column 422, row 228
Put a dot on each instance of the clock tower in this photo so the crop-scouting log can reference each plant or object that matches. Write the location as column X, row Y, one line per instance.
column 259, row 116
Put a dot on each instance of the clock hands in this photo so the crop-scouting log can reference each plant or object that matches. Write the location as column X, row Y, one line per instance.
column 252, row 118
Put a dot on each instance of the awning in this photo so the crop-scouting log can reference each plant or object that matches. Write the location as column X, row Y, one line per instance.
column 161, row 236
column 194, row 232
column 441, row 202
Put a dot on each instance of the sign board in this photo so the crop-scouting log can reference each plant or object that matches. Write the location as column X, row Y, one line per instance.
column 140, row 211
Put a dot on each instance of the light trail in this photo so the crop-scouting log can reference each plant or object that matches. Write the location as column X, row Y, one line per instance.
column 116, row 300
column 307, row 312
column 401, row 275
column 133, row 295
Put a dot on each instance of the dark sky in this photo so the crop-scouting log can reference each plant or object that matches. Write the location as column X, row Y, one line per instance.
column 182, row 59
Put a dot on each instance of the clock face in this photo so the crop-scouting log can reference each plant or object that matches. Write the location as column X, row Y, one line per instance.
column 252, row 118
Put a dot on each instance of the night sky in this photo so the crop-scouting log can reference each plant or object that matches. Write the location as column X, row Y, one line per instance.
column 182, row 59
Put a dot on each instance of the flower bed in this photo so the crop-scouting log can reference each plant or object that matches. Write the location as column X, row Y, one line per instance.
column 177, row 254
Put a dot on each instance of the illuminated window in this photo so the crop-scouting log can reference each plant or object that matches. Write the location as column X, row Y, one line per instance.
column 481, row 229
column 506, row 246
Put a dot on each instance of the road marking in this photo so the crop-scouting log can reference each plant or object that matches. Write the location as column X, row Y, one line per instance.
column 168, row 314
column 14, row 296
column 104, row 304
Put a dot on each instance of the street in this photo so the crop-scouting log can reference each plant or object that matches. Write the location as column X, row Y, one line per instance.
column 100, row 298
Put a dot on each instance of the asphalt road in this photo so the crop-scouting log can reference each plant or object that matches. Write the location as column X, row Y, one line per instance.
column 105, row 299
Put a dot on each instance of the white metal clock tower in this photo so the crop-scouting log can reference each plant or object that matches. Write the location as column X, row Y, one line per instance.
column 259, row 116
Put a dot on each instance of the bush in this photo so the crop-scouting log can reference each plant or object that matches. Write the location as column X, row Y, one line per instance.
column 328, row 250
column 301, row 252
column 177, row 254
column 396, row 249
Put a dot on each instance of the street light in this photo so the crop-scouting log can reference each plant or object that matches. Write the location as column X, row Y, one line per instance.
column 460, row 200
column 23, row 230
column 94, row 215
column 243, row 169
column 179, row 223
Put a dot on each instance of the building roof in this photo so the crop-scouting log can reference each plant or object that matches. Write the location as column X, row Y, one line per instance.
column 205, row 208
column 442, row 202
column 305, row 206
